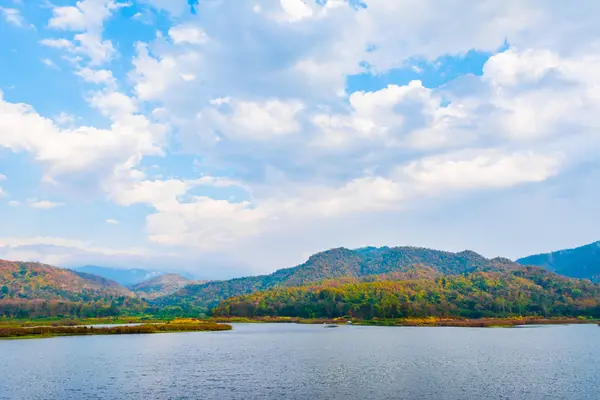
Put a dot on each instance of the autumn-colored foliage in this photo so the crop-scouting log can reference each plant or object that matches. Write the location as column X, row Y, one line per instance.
column 197, row 326
column 335, row 263
column 526, row 291
column 38, row 290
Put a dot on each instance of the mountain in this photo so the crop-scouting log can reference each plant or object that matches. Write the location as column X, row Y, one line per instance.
column 160, row 286
column 581, row 262
column 335, row 263
column 520, row 291
column 125, row 277
column 28, row 289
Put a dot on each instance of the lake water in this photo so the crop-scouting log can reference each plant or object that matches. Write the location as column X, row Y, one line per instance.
column 288, row 361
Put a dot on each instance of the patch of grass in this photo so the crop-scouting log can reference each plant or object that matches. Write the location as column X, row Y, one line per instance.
column 50, row 331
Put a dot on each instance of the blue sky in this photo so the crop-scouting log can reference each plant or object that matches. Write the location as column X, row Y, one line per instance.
column 248, row 135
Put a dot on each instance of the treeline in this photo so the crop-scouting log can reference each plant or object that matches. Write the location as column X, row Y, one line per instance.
column 525, row 291
column 12, row 308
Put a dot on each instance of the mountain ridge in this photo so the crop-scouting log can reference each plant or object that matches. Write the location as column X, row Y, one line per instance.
column 36, row 289
column 161, row 285
column 581, row 262
column 335, row 263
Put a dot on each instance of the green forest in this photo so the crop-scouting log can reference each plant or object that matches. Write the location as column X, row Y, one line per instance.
column 400, row 282
column 521, row 292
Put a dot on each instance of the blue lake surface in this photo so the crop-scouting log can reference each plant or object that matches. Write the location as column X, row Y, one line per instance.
column 289, row 361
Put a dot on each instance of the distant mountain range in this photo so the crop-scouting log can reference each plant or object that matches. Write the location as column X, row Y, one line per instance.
column 33, row 289
column 580, row 262
column 125, row 277
column 161, row 285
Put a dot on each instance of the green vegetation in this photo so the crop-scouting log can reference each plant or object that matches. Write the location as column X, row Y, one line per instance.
column 384, row 286
column 426, row 321
column 29, row 322
column 50, row 331
column 335, row 263
column 527, row 291
column 33, row 290
column 581, row 262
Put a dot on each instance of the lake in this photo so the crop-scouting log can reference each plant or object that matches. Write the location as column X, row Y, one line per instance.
column 289, row 361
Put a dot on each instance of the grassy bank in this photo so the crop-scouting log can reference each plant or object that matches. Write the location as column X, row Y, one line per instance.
column 83, row 321
column 14, row 332
column 431, row 321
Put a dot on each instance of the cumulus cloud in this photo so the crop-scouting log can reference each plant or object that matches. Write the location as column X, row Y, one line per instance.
column 86, row 18
column 287, row 145
column 81, row 153
column 187, row 34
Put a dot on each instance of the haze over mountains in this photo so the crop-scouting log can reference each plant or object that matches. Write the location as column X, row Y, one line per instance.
column 161, row 285
column 125, row 277
column 580, row 262
column 25, row 285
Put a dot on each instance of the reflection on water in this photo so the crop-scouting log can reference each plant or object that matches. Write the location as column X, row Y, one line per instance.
column 289, row 361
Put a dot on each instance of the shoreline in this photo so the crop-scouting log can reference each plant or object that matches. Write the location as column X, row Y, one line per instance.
column 32, row 329
column 416, row 322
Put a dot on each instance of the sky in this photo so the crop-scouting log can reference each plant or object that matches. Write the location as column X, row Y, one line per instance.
column 229, row 138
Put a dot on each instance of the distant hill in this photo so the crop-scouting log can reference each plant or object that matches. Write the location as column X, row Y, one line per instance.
column 335, row 263
column 161, row 285
column 125, row 277
column 580, row 262
column 28, row 289
column 520, row 291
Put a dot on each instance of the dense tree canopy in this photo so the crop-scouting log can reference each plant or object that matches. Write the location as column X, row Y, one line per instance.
column 526, row 292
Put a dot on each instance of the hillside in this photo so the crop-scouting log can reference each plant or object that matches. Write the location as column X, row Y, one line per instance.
column 581, row 262
column 525, row 291
column 333, row 263
column 125, row 277
column 160, row 286
column 43, row 290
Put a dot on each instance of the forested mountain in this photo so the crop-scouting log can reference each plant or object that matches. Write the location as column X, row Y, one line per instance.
column 580, row 262
column 335, row 263
column 160, row 286
column 125, row 277
column 524, row 291
column 36, row 289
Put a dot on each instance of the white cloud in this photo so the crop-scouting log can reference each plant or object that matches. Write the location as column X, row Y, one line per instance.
column 49, row 63
column 97, row 76
column 296, row 10
column 263, row 99
column 57, row 43
column 64, row 119
column 187, row 34
column 14, row 203
column 480, row 169
column 44, row 204
column 86, row 18
column 254, row 120
column 85, row 15
column 12, row 16
column 3, row 177
column 70, row 252
column 83, row 152
column 112, row 221
column 2, row 193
